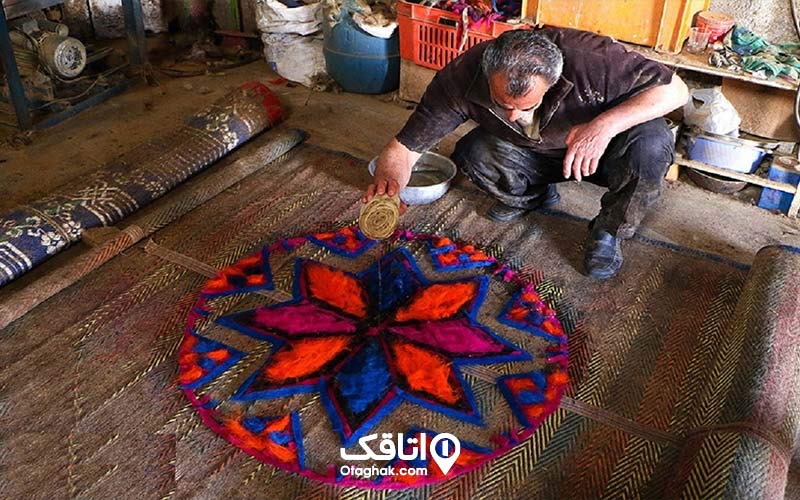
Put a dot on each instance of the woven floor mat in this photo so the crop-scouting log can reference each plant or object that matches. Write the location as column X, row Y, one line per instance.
column 90, row 405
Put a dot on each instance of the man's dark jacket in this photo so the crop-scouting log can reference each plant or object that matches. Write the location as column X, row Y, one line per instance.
column 598, row 74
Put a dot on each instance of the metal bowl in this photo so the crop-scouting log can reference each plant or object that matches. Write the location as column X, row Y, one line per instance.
column 715, row 183
column 430, row 178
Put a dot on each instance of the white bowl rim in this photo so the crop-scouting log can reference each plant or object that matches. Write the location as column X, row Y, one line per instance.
column 374, row 162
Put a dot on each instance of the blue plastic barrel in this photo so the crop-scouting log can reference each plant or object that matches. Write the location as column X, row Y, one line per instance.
column 360, row 62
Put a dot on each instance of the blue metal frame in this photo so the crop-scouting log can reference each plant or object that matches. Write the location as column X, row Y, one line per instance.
column 15, row 88
column 134, row 27
column 137, row 57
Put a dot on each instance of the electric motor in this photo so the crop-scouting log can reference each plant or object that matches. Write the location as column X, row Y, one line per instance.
column 63, row 56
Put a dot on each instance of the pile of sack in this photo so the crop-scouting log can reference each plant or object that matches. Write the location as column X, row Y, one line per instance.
column 292, row 34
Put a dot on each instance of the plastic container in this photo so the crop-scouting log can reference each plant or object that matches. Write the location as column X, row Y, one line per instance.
column 675, row 128
column 360, row 62
column 697, row 41
column 432, row 37
column 784, row 169
column 661, row 24
column 731, row 153
column 717, row 23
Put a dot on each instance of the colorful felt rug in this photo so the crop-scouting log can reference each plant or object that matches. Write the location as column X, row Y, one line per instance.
column 413, row 337
column 32, row 233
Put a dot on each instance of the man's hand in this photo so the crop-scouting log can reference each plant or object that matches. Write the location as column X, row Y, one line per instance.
column 385, row 186
column 381, row 185
column 392, row 172
column 586, row 144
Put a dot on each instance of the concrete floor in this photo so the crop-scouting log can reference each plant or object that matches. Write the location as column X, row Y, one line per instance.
column 359, row 125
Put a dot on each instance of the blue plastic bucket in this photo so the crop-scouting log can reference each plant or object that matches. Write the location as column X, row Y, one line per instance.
column 360, row 62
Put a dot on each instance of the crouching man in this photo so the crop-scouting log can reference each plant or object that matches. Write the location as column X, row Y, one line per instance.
column 551, row 105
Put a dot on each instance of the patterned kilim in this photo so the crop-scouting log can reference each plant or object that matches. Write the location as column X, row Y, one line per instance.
column 32, row 233
column 683, row 370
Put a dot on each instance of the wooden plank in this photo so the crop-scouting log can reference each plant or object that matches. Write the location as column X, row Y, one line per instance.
column 673, row 173
column 752, row 179
column 795, row 206
column 766, row 112
column 699, row 63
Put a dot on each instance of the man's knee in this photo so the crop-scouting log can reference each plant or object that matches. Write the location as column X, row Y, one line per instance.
column 475, row 149
column 650, row 149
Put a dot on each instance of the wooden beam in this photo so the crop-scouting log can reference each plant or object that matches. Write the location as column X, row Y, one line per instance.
column 673, row 173
column 699, row 63
column 752, row 179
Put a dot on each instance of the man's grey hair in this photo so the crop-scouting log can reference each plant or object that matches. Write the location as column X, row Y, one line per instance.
column 520, row 55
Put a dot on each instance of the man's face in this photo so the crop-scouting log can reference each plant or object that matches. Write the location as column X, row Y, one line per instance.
column 517, row 108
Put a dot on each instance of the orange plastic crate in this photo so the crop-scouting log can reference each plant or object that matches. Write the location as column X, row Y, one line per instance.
column 431, row 37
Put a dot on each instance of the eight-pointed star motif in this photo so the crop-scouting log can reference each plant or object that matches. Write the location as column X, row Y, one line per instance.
column 369, row 341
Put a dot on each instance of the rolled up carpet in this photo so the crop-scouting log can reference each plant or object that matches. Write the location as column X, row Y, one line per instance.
column 379, row 217
column 32, row 233
column 748, row 414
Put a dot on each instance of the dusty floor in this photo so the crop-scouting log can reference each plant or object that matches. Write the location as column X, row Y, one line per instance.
column 359, row 125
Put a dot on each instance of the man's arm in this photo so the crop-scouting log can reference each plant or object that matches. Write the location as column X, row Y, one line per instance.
column 587, row 142
column 440, row 111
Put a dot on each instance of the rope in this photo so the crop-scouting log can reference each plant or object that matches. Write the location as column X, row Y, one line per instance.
column 379, row 217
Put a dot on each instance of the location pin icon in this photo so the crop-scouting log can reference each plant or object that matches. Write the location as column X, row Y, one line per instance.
column 446, row 460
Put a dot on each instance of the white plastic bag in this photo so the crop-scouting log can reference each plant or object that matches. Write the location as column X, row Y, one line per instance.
column 381, row 28
column 274, row 17
column 713, row 113
column 294, row 57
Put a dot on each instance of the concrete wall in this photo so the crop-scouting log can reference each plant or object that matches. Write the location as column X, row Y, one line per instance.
column 771, row 19
column 108, row 21
column 104, row 17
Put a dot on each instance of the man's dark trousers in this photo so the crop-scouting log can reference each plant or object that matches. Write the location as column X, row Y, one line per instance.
column 632, row 168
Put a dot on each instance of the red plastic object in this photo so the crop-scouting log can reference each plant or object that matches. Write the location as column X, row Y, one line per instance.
column 431, row 37
column 717, row 23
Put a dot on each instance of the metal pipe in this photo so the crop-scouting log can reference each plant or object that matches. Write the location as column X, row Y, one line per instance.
column 15, row 88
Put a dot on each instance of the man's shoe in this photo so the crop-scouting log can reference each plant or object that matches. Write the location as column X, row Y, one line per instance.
column 500, row 212
column 603, row 256
column 551, row 198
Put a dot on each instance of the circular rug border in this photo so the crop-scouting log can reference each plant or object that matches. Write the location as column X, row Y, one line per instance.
column 498, row 270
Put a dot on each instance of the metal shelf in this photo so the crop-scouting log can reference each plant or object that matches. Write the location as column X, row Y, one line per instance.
column 750, row 178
